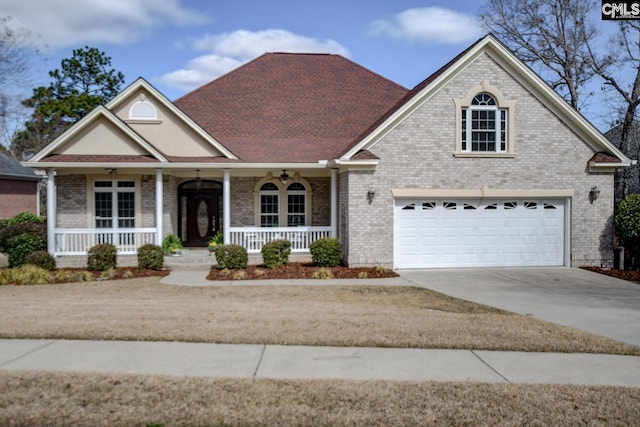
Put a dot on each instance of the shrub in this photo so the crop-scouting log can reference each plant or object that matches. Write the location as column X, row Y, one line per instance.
column 276, row 252
column 102, row 257
column 215, row 240
column 4, row 222
column 171, row 244
column 326, row 252
column 25, row 218
column 38, row 231
column 25, row 275
column 627, row 226
column 322, row 274
column 21, row 246
column 42, row 259
column 231, row 256
column 150, row 256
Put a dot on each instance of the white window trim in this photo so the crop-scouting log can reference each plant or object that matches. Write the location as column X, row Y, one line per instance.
column 282, row 198
column 502, row 104
column 91, row 191
column 306, row 201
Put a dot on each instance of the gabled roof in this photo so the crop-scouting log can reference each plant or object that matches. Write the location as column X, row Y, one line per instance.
column 141, row 83
column 285, row 107
column 85, row 123
column 525, row 76
column 10, row 168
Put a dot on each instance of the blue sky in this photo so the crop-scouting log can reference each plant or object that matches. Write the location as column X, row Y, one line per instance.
column 178, row 45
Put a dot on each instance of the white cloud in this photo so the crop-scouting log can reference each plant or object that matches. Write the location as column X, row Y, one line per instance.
column 429, row 25
column 229, row 50
column 60, row 23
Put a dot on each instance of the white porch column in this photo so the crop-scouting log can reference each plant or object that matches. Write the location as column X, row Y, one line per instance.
column 226, row 208
column 334, row 203
column 159, row 207
column 51, row 211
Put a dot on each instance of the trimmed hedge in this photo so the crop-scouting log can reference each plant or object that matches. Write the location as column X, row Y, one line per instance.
column 276, row 252
column 231, row 256
column 42, row 259
column 150, row 256
column 326, row 252
column 102, row 257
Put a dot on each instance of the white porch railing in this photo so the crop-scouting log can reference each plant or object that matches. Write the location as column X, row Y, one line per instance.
column 253, row 238
column 77, row 241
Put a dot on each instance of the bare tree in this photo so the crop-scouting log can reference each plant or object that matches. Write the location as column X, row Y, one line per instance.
column 15, row 48
column 552, row 35
column 623, row 79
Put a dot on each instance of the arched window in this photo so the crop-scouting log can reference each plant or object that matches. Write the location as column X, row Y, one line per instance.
column 279, row 204
column 484, row 125
column 296, row 205
column 269, row 205
column 142, row 110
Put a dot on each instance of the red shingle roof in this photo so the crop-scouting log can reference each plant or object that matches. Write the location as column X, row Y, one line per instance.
column 291, row 107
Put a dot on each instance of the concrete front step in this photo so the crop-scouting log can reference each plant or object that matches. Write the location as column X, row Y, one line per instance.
column 191, row 259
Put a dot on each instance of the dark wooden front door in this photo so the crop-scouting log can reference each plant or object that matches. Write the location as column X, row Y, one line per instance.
column 202, row 218
column 199, row 212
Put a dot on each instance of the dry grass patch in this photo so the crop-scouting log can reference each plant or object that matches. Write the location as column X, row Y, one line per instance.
column 32, row 398
column 372, row 316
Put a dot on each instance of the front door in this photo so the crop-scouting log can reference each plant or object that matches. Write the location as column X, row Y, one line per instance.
column 199, row 214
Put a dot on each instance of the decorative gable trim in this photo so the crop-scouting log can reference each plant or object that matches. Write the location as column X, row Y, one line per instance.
column 87, row 120
column 523, row 74
column 142, row 83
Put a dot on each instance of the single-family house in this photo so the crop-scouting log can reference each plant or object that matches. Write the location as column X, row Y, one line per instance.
column 481, row 164
column 19, row 188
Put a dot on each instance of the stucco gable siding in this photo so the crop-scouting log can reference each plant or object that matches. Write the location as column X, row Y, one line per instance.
column 168, row 132
column 100, row 138
column 418, row 153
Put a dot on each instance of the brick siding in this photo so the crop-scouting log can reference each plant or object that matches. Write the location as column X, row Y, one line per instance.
column 17, row 196
column 418, row 153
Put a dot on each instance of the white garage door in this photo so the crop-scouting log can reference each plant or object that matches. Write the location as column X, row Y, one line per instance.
column 490, row 233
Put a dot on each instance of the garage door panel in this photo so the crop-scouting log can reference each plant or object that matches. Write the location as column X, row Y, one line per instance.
column 457, row 233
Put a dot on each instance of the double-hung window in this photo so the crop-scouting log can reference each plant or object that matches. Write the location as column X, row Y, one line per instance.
column 115, row 204
column 484, row 126
column 296, row 205
column 269, row 205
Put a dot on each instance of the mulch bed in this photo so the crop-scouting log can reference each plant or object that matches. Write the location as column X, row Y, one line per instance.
column 630, row 275
column 116, row 274
column 297, row 270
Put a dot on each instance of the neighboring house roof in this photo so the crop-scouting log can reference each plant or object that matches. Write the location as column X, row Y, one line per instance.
column 10, row 168
column 284, row 107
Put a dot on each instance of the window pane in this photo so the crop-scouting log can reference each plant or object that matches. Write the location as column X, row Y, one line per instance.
column 103, row 210
column 126, row 184
column 103, row 184
column 126, row 210
column 296, row 210
column 269, row 210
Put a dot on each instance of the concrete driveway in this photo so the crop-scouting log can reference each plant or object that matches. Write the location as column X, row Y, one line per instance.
column 568, row 296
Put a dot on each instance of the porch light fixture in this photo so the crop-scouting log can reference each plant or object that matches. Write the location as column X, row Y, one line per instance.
column 594, row 193
column 198, row 180
column 371, row 192
column 284, row 177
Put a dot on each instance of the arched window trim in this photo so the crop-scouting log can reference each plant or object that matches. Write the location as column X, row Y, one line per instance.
column 148, row 106
column 282, row 192
column 502, row 105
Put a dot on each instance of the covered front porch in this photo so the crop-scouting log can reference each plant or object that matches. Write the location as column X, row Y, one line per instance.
column 134, row 208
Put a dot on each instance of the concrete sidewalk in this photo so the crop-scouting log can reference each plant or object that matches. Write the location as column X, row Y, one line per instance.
column 299, row 362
